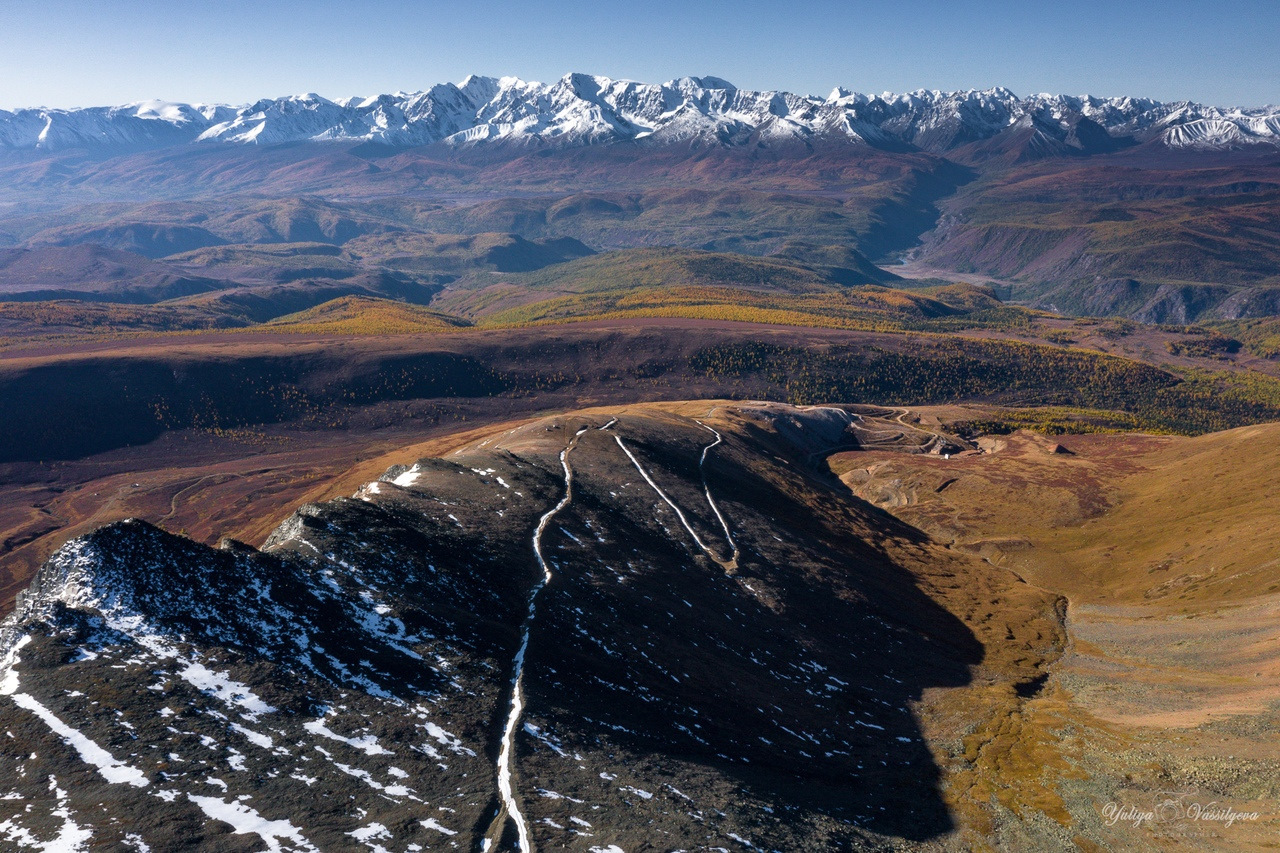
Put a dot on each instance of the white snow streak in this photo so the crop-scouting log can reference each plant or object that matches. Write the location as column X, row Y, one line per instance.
column 408, row 478
column 432, row 823
column 110, row 769
column 643, row 473
column 706, row 487
column 506, row 754
column 8, row 667
column 71, row 837
column 230, row 691
column 368, row 744
column 135, row 841
column 246, row 821
column 370, row 832
column 256, row 738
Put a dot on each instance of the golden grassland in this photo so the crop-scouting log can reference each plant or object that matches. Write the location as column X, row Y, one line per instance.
column 1162, row 549
column 869, row 308
column 355, row 315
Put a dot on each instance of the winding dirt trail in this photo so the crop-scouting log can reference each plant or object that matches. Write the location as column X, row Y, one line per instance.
column 874, row 437
column 173, row 500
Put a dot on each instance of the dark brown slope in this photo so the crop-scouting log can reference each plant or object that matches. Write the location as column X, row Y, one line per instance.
column 676, row 693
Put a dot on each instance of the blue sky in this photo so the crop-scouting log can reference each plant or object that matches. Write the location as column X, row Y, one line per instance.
column 88, row 52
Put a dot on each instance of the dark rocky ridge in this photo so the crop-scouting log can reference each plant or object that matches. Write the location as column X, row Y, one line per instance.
column 346, row 687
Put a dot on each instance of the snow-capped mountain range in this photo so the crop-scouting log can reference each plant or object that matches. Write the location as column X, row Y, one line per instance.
column 580, row 109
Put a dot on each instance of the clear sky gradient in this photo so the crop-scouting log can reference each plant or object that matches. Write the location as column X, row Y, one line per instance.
column 65, row 53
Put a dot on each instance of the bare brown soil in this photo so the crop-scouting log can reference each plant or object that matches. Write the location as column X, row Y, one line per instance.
column 1164, row 550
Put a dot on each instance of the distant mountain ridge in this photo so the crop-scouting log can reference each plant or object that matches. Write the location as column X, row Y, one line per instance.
column 581, row 109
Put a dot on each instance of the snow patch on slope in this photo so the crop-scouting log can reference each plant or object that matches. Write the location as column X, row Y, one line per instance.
column 246, row 821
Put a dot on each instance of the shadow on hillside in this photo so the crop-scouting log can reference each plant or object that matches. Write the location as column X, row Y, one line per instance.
column 794, row 678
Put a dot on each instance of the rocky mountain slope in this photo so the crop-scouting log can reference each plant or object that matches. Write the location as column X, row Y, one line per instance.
column 622, row 629
column 581, row 109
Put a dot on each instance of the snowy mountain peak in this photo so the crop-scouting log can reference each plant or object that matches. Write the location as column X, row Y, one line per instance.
column 583, row 109
column 702, row 83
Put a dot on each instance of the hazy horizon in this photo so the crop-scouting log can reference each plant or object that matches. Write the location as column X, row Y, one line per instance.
column 335, row 97
column 77, row 53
